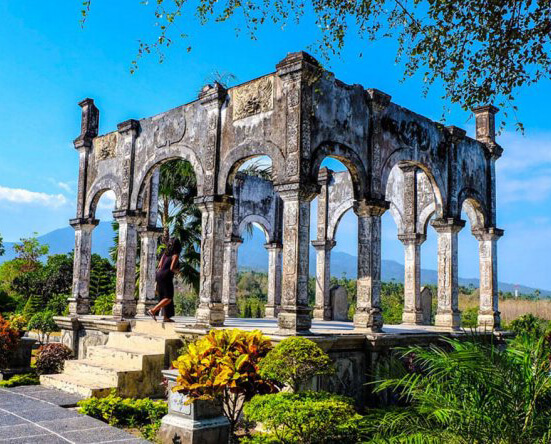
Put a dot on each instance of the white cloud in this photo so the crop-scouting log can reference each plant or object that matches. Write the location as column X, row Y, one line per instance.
column 22, row 196
column 107, row 201
column 66, row 186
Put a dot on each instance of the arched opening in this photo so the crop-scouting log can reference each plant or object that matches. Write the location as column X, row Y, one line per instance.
column 252, row 257
column 103, row 253
column 408, row 293
column 167, row 200
column 469, row 277
column 334, row 234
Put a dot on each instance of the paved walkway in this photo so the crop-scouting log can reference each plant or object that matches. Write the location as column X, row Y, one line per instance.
column 35, row 414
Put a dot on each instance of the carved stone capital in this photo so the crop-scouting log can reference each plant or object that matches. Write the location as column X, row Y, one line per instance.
column 213, row 94
column 215, row 202
column 149, row 231
column 371, row 207
column 379, row 100
column 412, row 238
column 129, row 216
column 324, row 175
column 457, row 134
column 448, row 225
column 236, row 240
column 84, row 223
column 273, row 246
column 488, row 234
column 297, row 191
column 128, row 125
column 324, row 245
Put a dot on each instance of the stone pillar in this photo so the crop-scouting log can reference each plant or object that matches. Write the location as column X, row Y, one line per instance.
column 211, row 310
column 229, row 289
column 368, row 310
column 322, row 310
column 488, row 313
column 148, row 268
column 79, row 302
column 447, row 312
column 413, row 309
column 274, row 279
column 125, row 300
column 294, row 317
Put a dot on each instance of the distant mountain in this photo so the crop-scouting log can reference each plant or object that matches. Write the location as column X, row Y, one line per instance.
column 253, row 256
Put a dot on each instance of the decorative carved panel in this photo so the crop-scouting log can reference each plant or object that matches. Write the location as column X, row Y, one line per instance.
column 169, row 130
column 104, row 146
column 253, row 98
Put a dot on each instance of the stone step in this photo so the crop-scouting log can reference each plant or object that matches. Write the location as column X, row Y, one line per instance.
column 150, row 327
column 137, row 341
column 77, row 385
column 102, row 353
column 106, row 373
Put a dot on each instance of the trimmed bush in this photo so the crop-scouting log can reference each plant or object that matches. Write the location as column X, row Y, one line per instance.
column 305, row 418
column 24, row 379
column 18, row 321
column 9, row 340
column 43, row 322
column 58, row 304
column 295, row 361
column 103, row 305
column 143, row 414
column 51, row 358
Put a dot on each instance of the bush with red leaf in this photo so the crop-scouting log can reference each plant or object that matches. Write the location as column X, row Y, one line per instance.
column 9, row 340
column 51, row 358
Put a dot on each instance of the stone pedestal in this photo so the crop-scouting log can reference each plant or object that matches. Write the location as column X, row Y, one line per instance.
column 199, row 423
column 20, row 361
column 426, row 305
column 488, row 313
column 322, row 310
column 231, row 247
column 274, row 279
column 368, row 314
column 413, row 311
column 447, row 313
column 339, row 303
column 211, row 309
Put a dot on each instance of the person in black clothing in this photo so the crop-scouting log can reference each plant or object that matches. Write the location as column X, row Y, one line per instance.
column 168, row 266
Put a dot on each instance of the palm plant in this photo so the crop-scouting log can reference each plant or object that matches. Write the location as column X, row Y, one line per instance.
column 467, row 392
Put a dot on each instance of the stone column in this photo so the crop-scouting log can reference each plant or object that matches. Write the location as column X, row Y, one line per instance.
column 148, row 268
column 447, row 312
column 322, row 310
column 211, row 310
column 368, row 310
column 294, row 317
column 274, row 279
column 125, row 299
column 488, row 313
column 229, row 289
column 79, row 302
column 413, row 309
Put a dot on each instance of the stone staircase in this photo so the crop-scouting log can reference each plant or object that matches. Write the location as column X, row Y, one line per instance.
column 130, row 362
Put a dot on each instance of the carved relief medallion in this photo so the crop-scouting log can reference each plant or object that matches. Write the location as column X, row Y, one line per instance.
column 169, row 129
column 253, row 98
column 104, row 146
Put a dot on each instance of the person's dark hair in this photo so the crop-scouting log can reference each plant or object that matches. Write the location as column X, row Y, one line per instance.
column 174, row 247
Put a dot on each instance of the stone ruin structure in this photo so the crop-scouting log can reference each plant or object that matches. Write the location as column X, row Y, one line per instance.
column 397, row 161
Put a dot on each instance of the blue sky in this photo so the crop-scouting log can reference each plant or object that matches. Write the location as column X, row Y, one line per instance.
column 48, row 63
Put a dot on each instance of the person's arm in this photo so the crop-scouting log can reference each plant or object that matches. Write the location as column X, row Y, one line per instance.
column 175, row 266
column 161, row 262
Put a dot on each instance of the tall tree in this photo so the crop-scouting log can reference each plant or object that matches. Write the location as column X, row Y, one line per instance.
column 483, row 51
column 30, row 250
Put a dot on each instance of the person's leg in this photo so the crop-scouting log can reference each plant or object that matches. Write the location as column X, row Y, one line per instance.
column 161, row 304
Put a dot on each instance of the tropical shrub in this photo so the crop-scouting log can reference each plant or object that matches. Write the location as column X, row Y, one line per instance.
column 58, row 304
column 43, row 322
column 143, row 414
column 103, row 305
column 468, row 392
column 51, row 358
column 295, row 361
column 186, row 304
column 305, row 418
column 222, row 366
column 529, row 324
column 23, row 379
column 18, row 321
column 9, row 340
column 469, row 317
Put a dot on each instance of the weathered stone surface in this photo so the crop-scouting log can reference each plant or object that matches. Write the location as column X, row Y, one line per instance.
column 297, row 116
column 339, row 303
